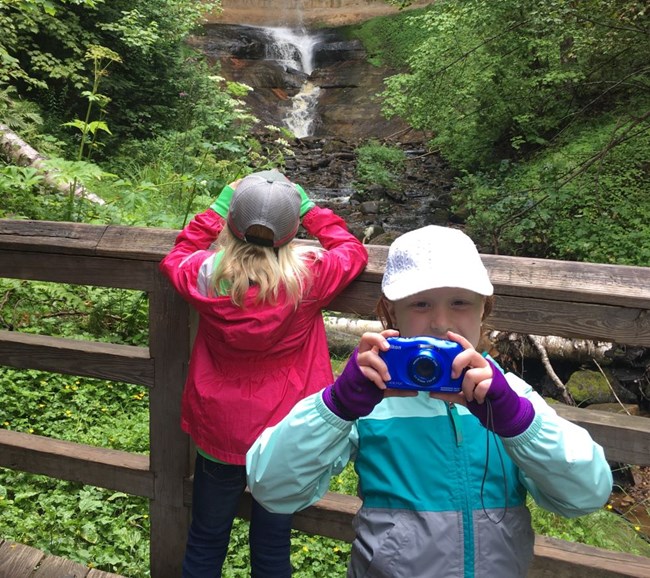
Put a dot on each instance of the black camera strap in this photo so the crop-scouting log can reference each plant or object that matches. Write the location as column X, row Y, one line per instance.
column 490, row 430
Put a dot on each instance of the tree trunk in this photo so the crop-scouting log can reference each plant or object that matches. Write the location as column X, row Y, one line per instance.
column 23, row 154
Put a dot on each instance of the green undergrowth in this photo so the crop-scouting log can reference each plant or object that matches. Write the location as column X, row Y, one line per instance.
column 109, row 529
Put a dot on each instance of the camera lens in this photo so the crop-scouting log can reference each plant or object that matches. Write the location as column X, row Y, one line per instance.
column 424, row 370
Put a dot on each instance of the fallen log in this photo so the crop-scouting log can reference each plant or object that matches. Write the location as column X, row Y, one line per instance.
column 22, row 154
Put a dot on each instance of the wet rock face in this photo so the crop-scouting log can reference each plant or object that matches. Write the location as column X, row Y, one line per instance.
column 304, row 12
column 347, row 105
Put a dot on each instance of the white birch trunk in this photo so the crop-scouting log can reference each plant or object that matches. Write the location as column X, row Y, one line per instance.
column 23, row 154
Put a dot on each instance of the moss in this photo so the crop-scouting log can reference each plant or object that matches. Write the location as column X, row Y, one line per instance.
column 587, row 387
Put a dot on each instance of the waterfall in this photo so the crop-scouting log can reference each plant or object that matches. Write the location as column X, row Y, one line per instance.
column 293, row 49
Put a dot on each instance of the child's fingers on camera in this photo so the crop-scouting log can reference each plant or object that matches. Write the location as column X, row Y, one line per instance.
column 468, row 360
column 458, row 338
column 479, row 391
column 476, row 383
column 370, row 340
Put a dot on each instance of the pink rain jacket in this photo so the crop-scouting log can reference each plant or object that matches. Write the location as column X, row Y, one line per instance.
column 249, row 366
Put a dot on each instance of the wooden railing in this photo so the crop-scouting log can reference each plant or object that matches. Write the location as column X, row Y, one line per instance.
column 601, row 302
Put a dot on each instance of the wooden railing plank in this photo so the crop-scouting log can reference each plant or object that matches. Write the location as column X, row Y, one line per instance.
column 50, row 236
column 556, row 558
column 625, row 325
column 73, row 357
column 56, row 567
column 77, row 269
column 102, row 467
column 18, row 560
column 139, row 243
column 625, row 438
column 620, row 285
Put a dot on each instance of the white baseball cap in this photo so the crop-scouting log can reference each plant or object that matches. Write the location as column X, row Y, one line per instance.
column 432, row 257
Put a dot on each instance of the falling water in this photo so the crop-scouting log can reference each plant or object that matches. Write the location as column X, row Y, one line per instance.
column 293, row 49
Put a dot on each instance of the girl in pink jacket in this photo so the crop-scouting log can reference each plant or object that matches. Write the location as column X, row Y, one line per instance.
column 260, row 347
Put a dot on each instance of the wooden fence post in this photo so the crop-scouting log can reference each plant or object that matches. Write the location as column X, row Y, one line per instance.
column 169, row 346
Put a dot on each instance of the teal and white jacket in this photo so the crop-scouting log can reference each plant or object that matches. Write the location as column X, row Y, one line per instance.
column 441, row 497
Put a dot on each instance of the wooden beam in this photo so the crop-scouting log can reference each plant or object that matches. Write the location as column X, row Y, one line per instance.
column 627, row 325
column 105, row 468
column 625, row 438
column 561, row 559
column 624, row 285
column 77, row 269
column 170, row 458
column 74, row 357
column 50, row 236
column 17, row 560
column 620, row 285
column 56, row 567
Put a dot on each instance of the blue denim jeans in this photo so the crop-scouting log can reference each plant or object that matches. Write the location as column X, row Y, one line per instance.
column 215, row 500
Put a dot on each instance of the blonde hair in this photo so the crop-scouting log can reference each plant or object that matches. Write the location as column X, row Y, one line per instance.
column 243, row 265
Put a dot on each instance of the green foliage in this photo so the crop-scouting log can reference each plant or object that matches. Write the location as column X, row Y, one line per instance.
column 98, row 528
column 74, row 311
column 389, row 40
column 43, row 47
column 19, row 114
column 38, row 45
column 602, row 529
column 493, row 80
column 379, row 164
column 18, row 185
column 584, row 199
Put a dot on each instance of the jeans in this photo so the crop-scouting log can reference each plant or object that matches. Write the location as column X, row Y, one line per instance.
column 215, row 500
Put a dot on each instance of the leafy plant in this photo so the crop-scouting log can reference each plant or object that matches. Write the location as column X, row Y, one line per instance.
column 582, row 199
column 379, row 164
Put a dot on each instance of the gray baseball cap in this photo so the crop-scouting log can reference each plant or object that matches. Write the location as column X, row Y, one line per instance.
column 266, row 198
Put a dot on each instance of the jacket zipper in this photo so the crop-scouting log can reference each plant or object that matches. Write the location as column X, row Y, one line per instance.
column 456, row 424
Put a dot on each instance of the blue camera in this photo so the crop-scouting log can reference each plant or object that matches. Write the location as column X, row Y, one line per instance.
column 422, row 363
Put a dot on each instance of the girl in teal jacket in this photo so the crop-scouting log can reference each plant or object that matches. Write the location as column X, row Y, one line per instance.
column 443, row 476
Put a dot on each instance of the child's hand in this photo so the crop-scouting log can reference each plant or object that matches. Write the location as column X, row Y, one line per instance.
column 478, row 374
column 361, row 386
column 373, row 366
column 222, row 204
column 306, row 204
column 487, row 394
